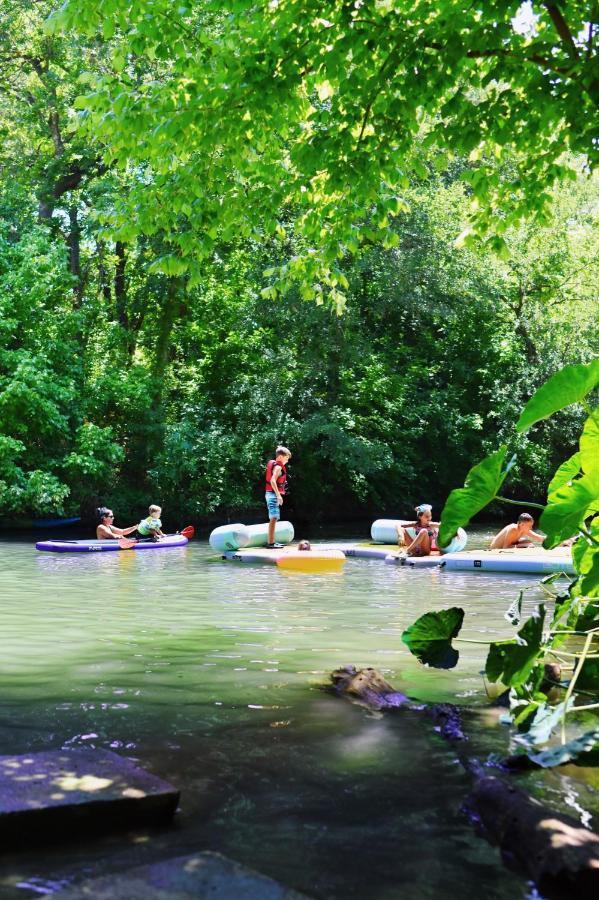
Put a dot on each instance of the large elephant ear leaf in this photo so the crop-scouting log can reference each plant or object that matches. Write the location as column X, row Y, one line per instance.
column 429, row 637
column 568, row 507
column 589, row 444
column 480, row 487
column 568, row 470
column 512, row 661
column 585, row 555
column 570, row 385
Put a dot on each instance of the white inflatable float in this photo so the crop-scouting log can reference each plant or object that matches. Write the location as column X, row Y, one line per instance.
column 384, row 531
column 533, row 561
column 236, row 536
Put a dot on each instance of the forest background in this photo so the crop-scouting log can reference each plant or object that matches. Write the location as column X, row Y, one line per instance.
column 126, row 380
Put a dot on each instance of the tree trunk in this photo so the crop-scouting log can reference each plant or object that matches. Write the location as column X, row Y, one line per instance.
column 120, row 285
column 74, row 245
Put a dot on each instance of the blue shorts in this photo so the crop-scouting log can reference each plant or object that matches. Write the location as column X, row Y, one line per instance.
column 274, row 510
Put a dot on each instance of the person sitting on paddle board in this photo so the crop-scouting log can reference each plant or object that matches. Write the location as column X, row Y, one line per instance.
column 425, row 533
column 275, row 487
column 106, row 530
column 150, row 528
column 518, row 534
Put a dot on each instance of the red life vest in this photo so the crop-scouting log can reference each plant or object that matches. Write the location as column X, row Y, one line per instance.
column 281, row 480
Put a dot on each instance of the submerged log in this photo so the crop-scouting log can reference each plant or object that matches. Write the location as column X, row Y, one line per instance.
column 368, row 688
column 553, row 849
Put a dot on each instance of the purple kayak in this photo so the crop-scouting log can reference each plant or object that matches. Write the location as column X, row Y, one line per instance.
column 95, row 546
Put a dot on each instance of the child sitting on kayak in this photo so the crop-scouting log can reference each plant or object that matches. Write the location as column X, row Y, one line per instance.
column 425, row 533
column 150, row 528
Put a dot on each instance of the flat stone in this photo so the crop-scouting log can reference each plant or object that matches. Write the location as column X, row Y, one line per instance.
column 45, row 795
column 203, row 876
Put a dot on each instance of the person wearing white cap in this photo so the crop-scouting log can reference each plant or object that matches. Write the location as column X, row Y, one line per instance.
column 420, row 537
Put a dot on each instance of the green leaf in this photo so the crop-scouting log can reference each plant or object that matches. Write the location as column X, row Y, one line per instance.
column 514, row 613
column 543, row 722
column 480, row 487
column 582, row 751
column 589, row 617
column 566, row 472
column 588, row 675
column 567, row 508
column 568, row 386
column 512, row 661
column 589, row 444
column 429, row 637
column 585, row 556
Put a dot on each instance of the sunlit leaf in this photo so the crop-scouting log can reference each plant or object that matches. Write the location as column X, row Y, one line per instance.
column 589, row 444
column 570, row 385
column 566, row 472
column 480, row 487
column 567, row 507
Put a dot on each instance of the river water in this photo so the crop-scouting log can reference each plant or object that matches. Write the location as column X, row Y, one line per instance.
column 210, row 673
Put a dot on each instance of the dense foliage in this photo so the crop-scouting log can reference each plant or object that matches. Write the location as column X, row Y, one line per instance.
column 143, row 355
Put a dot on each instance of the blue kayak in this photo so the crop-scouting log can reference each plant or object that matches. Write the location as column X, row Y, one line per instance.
column 95, row 546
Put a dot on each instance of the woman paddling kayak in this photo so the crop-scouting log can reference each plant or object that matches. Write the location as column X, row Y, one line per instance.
column 106, row 530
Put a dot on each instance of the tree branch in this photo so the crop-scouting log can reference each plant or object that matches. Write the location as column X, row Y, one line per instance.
column 562, row 28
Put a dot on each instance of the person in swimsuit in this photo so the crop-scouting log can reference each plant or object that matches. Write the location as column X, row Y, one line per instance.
column 518, row 534
column 106, row 530
column 425, row 531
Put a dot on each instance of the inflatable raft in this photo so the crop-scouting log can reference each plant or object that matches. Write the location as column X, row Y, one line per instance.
column 96, row 546
column 317, row 560
column 534, row 561
column 236, row 536
column 526, row 562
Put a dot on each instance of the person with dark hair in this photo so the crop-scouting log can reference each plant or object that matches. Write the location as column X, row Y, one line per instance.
column 419, row 537
column 275, row 487
column 518, row 534
column 106, row 530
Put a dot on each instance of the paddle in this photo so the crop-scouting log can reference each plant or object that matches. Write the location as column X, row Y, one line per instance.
column 188, row 532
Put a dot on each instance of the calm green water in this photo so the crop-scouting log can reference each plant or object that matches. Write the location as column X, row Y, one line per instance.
column 208, row 673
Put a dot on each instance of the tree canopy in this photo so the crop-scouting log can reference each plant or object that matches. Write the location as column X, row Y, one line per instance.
column 141, row 353
column 243, row 110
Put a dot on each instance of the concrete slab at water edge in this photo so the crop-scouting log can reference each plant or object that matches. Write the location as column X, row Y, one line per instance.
column 45, row 796
column 203, row 876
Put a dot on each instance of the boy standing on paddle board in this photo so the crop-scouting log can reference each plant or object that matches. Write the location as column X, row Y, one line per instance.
column 276, row 484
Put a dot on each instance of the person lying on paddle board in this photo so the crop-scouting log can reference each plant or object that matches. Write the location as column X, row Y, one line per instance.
column 425, row 533
column 106, row 530
column 517, row 535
